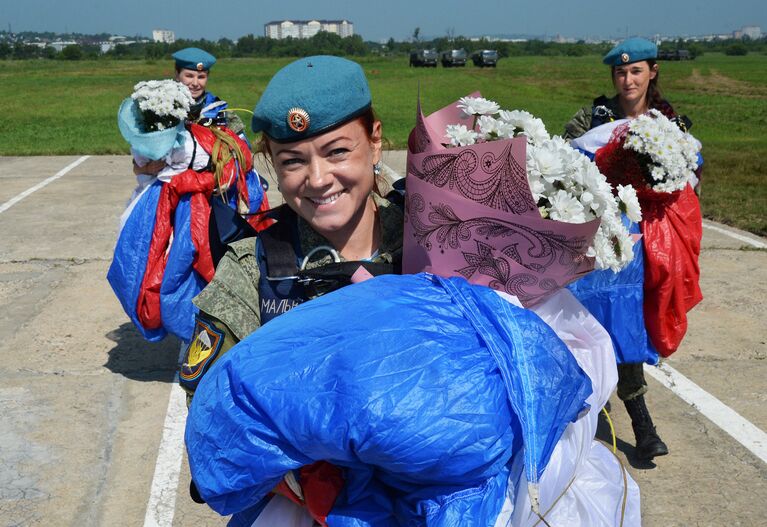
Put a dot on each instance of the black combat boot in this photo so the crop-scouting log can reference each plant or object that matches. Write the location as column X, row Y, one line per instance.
column 648, row 444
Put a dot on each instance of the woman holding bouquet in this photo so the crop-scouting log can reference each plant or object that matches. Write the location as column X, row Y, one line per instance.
column 197, row 190
column 621, row 310
column 192, row 67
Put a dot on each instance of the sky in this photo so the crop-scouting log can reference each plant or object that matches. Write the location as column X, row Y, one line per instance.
column 389, row 18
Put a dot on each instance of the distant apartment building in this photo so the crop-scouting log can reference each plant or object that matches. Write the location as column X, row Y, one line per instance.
column 752, row 32
column 307, row 28
column 59, row 45
column 163, row 35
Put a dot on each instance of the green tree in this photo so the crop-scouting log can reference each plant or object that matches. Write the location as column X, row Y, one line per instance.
column 737, row 49
column 25, row 51
column 72, row 52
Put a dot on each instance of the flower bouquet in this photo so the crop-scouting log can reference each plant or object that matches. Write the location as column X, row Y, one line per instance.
column 650, row 152
column 546, row 214
column 658, row 158
column 152, row 118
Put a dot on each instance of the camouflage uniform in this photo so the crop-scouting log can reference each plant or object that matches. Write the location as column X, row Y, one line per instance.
column 230, row 305
column 602, row 110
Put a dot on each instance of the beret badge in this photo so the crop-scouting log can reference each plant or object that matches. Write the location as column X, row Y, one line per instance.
column 625, row 57
column 298, row 119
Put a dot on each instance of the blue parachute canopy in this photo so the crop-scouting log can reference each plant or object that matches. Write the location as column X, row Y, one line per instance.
column 126, row 272
column 617, row 301
column 423, row 386
column 180, row 282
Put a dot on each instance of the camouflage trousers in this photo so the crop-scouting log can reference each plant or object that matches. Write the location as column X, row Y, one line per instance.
column 631, row 381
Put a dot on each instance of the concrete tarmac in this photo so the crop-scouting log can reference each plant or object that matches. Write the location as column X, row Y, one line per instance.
column 83, row 397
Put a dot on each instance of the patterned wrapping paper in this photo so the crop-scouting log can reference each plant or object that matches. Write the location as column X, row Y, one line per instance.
column 470, row 212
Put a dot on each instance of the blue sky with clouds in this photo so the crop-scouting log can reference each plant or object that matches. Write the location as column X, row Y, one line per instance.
column 389, row 18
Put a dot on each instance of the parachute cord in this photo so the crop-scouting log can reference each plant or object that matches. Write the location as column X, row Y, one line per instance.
column 612, row 430
column 237, row 110
column 224, row 149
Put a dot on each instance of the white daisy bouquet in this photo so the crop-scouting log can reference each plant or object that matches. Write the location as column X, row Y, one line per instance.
column 566, row 185
column 152, row 118
column 163, row 104
column 650, row 153
column 669, row 154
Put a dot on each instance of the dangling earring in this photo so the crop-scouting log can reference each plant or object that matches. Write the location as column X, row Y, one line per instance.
column 377, row 169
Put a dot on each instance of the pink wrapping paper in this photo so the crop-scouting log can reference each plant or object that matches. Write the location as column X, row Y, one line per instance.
column 470, row 213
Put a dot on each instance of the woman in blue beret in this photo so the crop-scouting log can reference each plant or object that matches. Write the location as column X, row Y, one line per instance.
column 192, row 69
column 323, row 139
column 324, row 142
column 634, row 73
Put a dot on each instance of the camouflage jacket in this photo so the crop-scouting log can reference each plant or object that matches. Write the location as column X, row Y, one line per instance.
column 601, row 111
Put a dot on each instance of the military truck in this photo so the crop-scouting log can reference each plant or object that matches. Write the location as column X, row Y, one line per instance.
column 485, row 58
column 674, row 54
column 424, row 58
column 453, row 57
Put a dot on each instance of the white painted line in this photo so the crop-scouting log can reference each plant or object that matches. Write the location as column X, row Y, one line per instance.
column 722, row 415
column 746, row 239
column 13, row 201
column 162, row 498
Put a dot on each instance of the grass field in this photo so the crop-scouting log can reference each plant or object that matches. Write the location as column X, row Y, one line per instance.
column 59, row 107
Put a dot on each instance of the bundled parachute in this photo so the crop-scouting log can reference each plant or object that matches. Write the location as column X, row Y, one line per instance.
column 424, row 397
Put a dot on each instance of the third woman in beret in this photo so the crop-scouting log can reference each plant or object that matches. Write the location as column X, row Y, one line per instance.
column 634, row 73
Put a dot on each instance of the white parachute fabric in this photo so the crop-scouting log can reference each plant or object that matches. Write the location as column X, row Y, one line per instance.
column 584, row 483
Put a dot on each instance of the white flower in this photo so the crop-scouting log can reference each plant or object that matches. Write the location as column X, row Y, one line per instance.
column 478, row 106
column 488, row 127
column 546, row 161
column 629, row 203
column 163, row 104
column 459, row 135
column 525, row 123
column 566, row 207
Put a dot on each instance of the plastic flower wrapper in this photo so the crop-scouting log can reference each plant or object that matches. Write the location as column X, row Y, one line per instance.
column 492, row 197
column 152, row 118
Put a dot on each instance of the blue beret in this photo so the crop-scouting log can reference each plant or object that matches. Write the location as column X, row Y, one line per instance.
column 310, row 96
column 631, row 50
column 194, row 59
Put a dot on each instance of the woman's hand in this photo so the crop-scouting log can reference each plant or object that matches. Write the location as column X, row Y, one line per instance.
column 152, row 168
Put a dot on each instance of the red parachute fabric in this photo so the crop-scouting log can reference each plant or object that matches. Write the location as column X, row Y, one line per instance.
column 200, row 185
column 321, row 483
column 260, row 220
column 672, row 228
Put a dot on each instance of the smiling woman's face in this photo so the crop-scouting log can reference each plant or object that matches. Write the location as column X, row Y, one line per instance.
column 327, row 179
column 196, row 81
